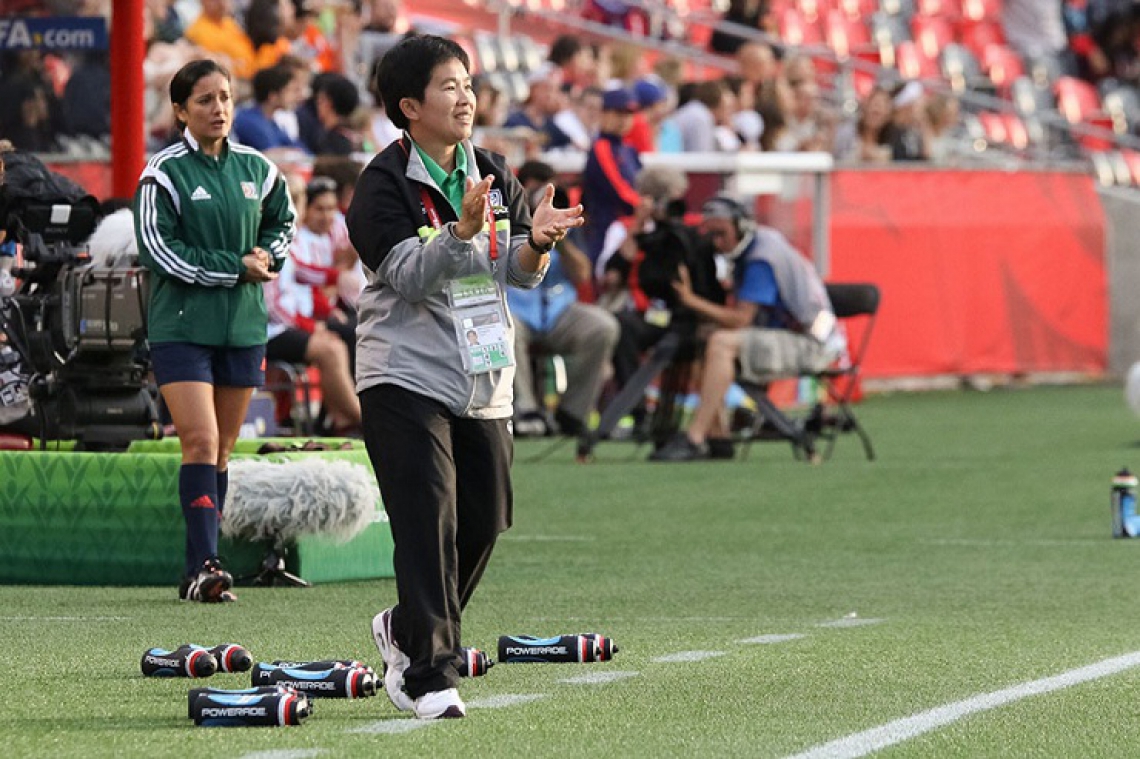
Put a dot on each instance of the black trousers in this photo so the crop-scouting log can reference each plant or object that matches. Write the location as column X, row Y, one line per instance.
column 446, row 485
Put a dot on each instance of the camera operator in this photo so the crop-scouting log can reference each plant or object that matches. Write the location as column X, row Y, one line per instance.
column 646, row 258
column 780, row 322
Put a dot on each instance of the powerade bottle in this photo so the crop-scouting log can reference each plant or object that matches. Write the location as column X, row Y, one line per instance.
column 475, row 663
column 193, row 693
column 563, row 648
column 604, row 647
column 334, row 682
column 184, row 661
column 1125, row 523
column 232, row 657
column 250, row 710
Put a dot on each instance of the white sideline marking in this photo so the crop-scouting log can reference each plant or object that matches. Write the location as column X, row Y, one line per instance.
column 302, row 753
column 1003, row 542
column 850, row 622
column 505, row 700
column 598, row 678
column 394, row 726
column 777, row 638
column 877, row 738
column 688, row 656
column 64, row 619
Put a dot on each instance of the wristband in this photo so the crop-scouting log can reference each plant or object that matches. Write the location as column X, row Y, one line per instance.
column 544, row 249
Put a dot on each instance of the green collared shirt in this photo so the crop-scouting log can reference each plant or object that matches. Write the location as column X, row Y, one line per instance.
column 454, row 184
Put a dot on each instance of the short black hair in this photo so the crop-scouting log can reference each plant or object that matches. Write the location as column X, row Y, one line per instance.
column 182, row 85
column 342, row 94
column 406, row 71
column 537, row 171
column 270, row 81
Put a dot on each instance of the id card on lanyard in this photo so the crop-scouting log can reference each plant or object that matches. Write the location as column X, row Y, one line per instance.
column 477, row 309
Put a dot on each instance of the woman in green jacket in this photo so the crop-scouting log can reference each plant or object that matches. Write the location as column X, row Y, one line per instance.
column 214, row 222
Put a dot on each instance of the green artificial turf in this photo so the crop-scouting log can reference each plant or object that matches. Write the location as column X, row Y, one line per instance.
column 980, row 540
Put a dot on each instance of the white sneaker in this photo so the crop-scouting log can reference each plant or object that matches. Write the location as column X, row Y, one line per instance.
column 440, row 704
column 395, row 661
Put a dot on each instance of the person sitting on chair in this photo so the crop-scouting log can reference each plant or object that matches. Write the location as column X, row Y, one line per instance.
column 780, row 322
column 584, row 334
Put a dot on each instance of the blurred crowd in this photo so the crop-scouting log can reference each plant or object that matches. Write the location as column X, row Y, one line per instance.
column 303, row 74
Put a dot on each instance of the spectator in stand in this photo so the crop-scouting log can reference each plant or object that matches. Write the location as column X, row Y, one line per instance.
column 611, row 169
column 336, row 102
column 744, row 119
column 754, row 14
column 865, row 139
column 940, row 125
column 381, row 131
column 384, row 26
column 307, row 40
column 305, row 327
column 807, row 126
column 574, row 60
column 697, row 119
column 265, row 23
column 727, row 139
column 1036, row 30
column 579, row 121
column 287, row 118
column 168, row 24
column 216, row 31
column 550, row 314
column 780, row 323
column 628, row 16
column 905, row 132
column 759, row 69
column 255, row 125
column 30, row 106
column 87, row 97
column 656, row 103
column 1092, row 63
column 542, row 102
column 344, row 171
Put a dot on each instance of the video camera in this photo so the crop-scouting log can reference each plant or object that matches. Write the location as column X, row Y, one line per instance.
column 79, row 328
column 671, row 244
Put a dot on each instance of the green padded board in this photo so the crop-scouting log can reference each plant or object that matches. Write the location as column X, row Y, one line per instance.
column 113, row 519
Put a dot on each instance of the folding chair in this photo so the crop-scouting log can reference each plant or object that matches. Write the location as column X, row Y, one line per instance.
column 850, row 301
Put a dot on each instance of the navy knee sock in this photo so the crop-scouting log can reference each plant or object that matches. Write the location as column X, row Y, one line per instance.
column 198, row 491
column 223, row 486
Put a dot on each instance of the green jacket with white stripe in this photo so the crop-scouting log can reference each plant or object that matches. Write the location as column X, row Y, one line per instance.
column 195, row 217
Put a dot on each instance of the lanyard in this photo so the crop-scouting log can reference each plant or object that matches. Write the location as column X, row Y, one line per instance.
column 434, row 219
column 436, row 222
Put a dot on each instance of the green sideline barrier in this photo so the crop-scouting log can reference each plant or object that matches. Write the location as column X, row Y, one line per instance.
column 113, row 519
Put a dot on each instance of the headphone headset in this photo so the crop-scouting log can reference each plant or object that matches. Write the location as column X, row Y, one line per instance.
column 726, row 205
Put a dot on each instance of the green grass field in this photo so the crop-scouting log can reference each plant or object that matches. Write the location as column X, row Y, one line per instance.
column 977, row 550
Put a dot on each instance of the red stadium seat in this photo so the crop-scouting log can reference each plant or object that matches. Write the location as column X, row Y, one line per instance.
column 1132, row 158
column 996, row 133
column 1077, row 100
column 912, row 63
column 857, row 9
column 932, row 33
column 1002, row 65
column 796, row 30
column 846, row 36
column 981, row 10
column 945, row 9
column 978, row 36
column 1079, row 103
column 1016, row 131
column 814, row 10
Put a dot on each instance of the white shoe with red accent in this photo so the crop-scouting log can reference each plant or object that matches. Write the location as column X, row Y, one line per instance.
column 440, row 704
column 395, row 661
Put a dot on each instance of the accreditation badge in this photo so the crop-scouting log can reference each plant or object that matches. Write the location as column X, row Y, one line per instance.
column 480, row 324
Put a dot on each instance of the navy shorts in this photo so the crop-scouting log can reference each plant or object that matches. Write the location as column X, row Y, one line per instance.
column 221, row 366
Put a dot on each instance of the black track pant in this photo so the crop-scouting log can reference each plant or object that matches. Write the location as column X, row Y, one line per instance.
column 446, row 485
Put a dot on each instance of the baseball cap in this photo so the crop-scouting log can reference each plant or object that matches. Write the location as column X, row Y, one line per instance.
column 619, row 100
column 648, row 92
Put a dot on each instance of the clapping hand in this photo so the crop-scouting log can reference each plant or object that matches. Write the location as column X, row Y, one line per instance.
column 474, row 208
column 549, row 225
